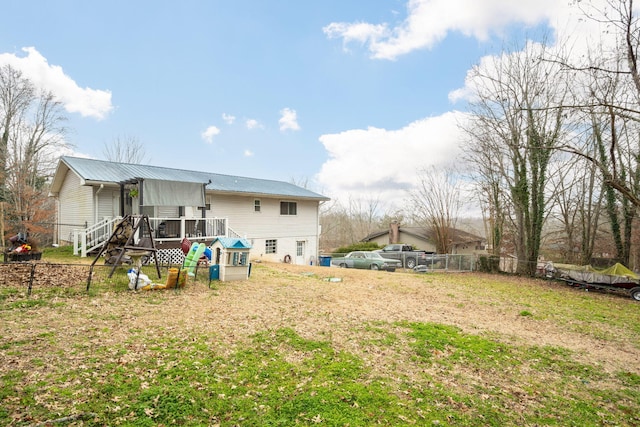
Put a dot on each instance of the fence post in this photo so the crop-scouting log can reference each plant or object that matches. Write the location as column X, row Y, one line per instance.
column 33, row 273
column 83, row 242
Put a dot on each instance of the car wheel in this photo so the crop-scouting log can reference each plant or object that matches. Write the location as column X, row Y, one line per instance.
column 375, row 267
column 411, row 263
column 635, row 293
column 343, row 265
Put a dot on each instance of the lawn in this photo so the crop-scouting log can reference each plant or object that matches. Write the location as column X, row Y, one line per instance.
column 307, row 345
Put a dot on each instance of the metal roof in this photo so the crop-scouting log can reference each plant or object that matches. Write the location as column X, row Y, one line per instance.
column 101, row 171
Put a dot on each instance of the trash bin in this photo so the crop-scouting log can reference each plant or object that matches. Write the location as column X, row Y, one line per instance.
column 325, row 261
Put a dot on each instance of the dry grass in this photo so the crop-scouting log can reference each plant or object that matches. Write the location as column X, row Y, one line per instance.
column 344, row 313
column 476, row 303
column 303, row 299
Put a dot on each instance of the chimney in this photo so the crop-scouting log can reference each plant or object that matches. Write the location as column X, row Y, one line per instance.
column 394, row 232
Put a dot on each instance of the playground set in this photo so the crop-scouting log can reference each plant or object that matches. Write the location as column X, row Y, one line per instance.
column 132, row 243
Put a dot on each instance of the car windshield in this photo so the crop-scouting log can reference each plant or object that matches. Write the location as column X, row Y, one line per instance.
column 375, row 255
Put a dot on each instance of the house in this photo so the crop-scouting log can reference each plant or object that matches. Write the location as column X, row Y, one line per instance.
column 422, row 238
column 279, row 220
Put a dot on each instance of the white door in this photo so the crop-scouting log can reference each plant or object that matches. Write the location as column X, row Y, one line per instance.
column 300, row 252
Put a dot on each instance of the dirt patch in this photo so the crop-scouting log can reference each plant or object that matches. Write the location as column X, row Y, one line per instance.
column 42, row 274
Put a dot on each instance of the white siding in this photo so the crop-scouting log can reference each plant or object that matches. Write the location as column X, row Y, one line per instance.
column 108, row 202
column 267, row 224
column 76, row 207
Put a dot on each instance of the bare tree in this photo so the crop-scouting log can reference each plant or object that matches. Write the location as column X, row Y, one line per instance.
column 332, row 217
column 610, row 83
column 621, row 211
column 16, row 94
column 125, row 149
column 344, row 225
column 436, row 202
column 32, row 133
column 578, row 201
column 520, row 136
column 489, row 185
column 300, row 182
column 365, row 216
column 602, row 101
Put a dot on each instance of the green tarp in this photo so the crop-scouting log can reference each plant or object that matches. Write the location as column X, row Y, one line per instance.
column 617, row 273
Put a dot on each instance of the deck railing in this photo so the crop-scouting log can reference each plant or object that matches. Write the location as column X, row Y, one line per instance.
column 162, row 229
column 87, row 239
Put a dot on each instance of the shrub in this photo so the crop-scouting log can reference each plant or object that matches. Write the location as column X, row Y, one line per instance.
column 360, row 246
column 489, row 264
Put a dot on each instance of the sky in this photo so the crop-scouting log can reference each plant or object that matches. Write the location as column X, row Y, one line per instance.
column 347, row 98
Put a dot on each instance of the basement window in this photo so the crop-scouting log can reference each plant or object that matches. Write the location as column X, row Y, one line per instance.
column 271, row 246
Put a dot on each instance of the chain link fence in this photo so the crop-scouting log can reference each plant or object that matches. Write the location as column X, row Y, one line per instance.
column 428, row 262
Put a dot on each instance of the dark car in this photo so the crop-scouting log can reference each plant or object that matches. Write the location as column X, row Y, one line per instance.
column 367, row 260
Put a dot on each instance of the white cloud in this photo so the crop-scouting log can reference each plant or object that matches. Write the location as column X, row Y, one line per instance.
column 383, row 163
column 253, row 124
column 209, row 133
column 429, row 21
column 363, row 161
column 248, row 153
column 582, row 35
column 85, row 101
column 359, row 32
column 288, row 120
column 228, row 118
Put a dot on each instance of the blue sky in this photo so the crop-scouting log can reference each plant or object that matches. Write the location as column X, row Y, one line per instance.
column 351, row 97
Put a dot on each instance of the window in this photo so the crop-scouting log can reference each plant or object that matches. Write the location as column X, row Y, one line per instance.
column 270, row 246
column 288, row 208
column 239, row 258
column 299, row 248
column 256, row 205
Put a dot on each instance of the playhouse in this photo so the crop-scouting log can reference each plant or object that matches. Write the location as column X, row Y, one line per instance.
column 229, row 259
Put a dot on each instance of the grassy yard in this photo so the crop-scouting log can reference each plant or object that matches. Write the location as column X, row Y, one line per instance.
column 302, row 345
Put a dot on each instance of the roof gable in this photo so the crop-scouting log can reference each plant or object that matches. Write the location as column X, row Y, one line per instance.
column 426, row 234
column 232, row 243
column 101, row 171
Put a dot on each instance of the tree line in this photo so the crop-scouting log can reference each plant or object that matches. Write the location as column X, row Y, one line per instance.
column 552, row 142
column 549, row 137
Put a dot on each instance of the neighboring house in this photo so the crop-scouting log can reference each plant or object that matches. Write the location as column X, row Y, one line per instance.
column 277, row 218
column 422, row 238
